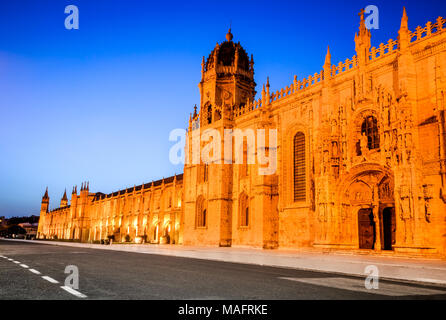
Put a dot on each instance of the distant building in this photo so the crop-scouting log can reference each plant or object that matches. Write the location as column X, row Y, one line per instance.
column 30, row 228
column 3, row 222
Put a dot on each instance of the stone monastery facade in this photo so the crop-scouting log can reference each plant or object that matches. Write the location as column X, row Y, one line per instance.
column 361, row 159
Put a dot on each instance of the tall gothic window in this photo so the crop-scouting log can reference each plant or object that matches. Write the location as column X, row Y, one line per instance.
column 370, row 129
column 244, row 210
column 244, row 165
column 201, row 212
column 209, row 114
column 299, row 168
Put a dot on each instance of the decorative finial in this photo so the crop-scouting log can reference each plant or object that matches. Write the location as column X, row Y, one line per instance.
column 404, row 20
column 229, row 35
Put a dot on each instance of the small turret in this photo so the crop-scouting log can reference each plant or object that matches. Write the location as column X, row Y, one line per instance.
column 45, row 202
column 64, row 200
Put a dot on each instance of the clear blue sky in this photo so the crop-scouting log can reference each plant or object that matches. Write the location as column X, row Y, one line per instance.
column 98, row 103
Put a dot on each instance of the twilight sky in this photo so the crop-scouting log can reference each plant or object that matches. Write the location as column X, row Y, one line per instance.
column 98, row 103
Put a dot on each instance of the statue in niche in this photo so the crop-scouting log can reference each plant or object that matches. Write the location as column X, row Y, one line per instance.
column 364, row 142
column 325, row 161
column 405, row 203
column 386, row 142
column 334, row 128
column 335, row 151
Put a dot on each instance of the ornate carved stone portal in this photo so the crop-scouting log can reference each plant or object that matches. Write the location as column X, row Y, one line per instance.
column 368, row 201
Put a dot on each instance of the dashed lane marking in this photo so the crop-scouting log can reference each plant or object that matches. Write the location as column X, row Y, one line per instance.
column 73, row 292
column 50, row 279
column 34, row 271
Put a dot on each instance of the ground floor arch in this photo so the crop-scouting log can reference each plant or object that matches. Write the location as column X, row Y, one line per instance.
column 368, row 205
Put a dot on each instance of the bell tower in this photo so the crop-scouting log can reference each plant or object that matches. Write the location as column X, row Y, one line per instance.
column 227, row 81
column 41, row 229
column 64, row 200
column 227, row 84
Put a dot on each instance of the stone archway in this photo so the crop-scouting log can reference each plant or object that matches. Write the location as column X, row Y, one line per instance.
column 167, row 236
column 369, row 200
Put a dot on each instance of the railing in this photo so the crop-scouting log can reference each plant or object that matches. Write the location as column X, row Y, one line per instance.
column 344, row 66
column 428, row 30
column 383, row 49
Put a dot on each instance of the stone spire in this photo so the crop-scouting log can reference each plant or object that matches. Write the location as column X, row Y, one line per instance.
column 328, row 57
column 362, row 40
column 327, row 65
column 403, row 33
column 203, row 63
column 45, row 196
column 64, row 200
column 404, row 20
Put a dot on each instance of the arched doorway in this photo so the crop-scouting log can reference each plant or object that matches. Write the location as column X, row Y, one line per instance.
column 156, row 233
column 167, row 233
column 367, row 204
column 388, row 228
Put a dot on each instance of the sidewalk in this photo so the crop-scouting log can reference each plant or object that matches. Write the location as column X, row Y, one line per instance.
column 394, row 268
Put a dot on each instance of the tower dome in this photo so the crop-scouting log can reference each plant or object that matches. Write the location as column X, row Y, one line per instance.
column 226, row 54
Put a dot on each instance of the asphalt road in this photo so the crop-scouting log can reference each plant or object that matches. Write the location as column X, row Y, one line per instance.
column 36, row 271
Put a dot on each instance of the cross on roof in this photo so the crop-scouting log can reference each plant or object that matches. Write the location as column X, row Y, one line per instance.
column 361, row 13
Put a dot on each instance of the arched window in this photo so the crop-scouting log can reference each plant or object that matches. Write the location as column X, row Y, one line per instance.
column 209, row 114
column 203, row 173
column 201, row 219
column 370, row 129
column 299, row 168
column 217, row 115
column 244, row 210
column 244, row 165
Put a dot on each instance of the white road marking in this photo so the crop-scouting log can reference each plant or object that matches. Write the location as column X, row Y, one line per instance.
column 34, row 271
column 10, row 259
column 74, row 292
column 50, row 279
column 387, row 289
column 430, row 280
